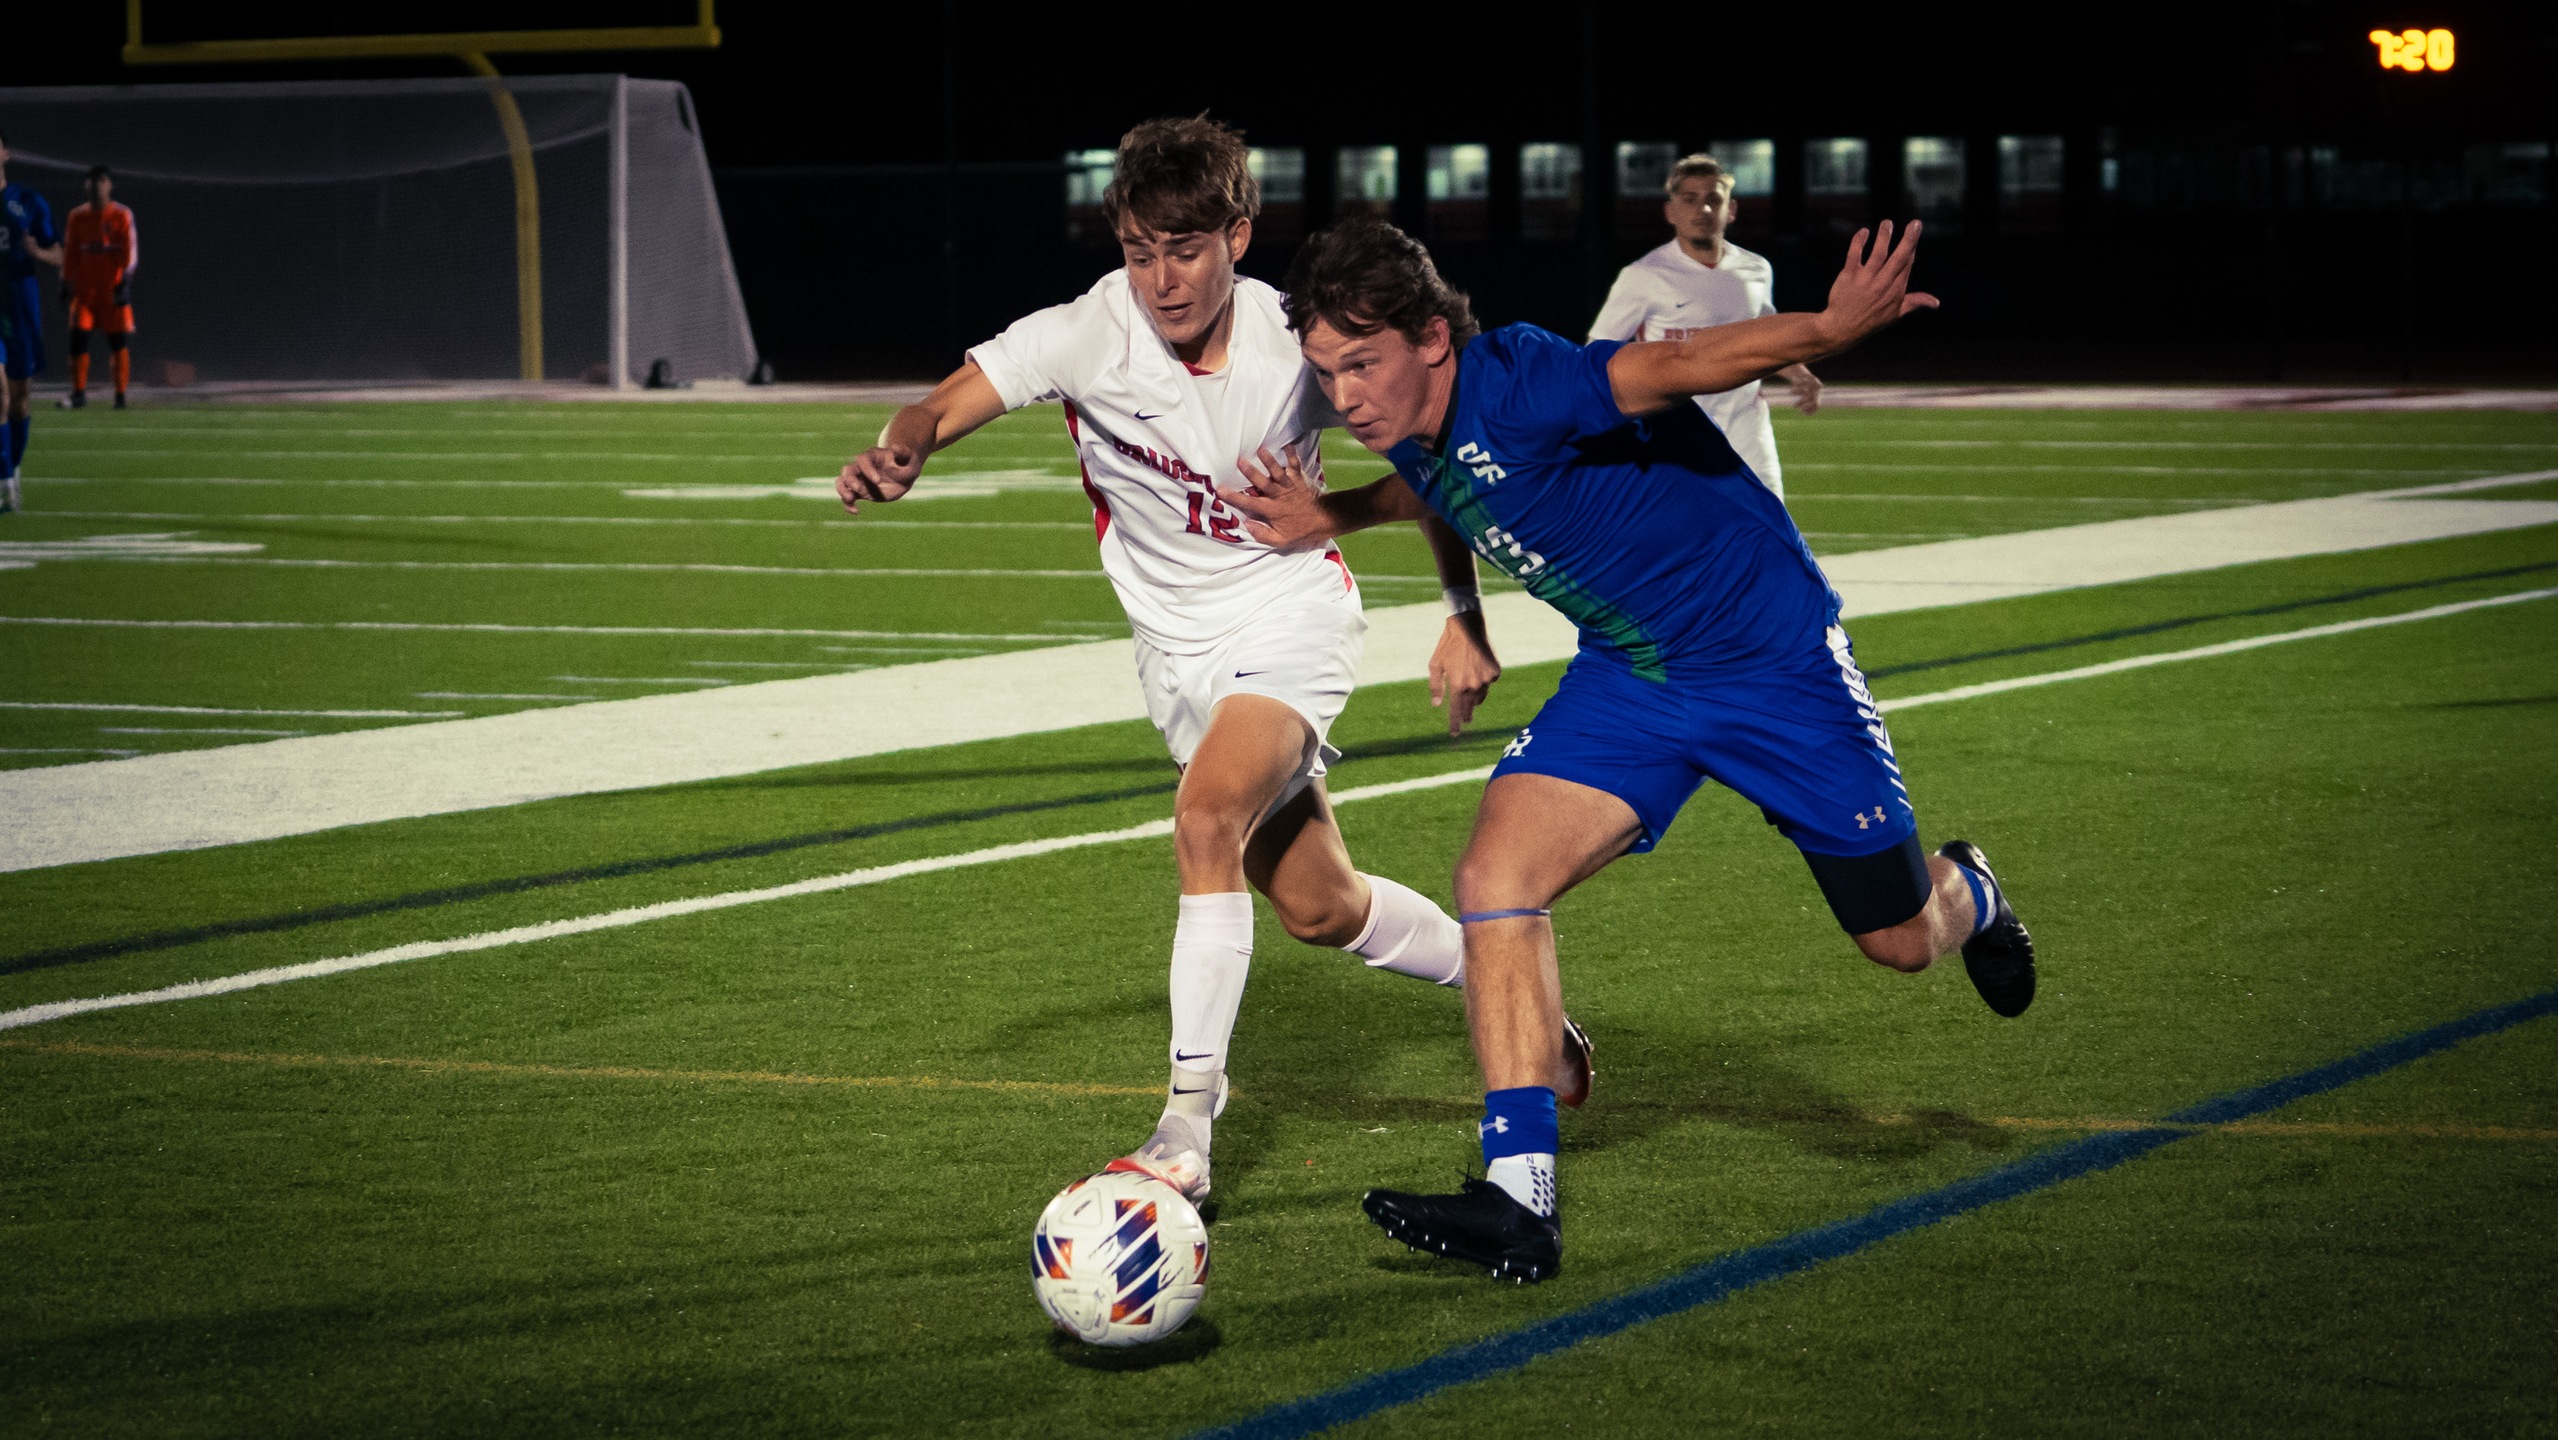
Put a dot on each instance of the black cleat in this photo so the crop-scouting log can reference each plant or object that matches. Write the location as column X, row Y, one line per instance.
column 76, row 400
column 1480, row 1223
column 119, row 399
column 1576, row 1060
column 2000, row 959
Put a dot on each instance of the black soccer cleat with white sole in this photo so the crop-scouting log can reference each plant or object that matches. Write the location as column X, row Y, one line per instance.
column 1480, row 1223
column 2000, row 959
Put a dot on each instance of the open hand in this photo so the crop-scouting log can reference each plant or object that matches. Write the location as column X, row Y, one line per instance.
column 1462, row 669
column 882, row 473
column 1281, row 507
column 1873, row 289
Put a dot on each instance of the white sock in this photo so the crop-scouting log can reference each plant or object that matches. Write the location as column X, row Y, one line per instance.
column 1194, row 1098
column 1409, row 935
column 1211, row 955
column 1528, row 1178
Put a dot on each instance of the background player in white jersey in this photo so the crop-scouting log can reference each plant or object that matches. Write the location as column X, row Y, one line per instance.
column 1699, row 280
column 1171, row 369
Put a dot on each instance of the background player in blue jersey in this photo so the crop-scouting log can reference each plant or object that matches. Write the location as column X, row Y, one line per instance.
column 26, row 235
column 1710, row 649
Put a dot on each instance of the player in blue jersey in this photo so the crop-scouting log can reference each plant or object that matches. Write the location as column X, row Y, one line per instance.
column 27, row 235
column 1710, row 649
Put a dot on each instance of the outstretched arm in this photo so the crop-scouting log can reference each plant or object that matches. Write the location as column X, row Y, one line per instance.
column 888, row 469
column 1872, row 291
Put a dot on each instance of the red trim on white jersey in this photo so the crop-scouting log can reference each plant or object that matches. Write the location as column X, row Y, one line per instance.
column 1347, row 584
column 1100, row 507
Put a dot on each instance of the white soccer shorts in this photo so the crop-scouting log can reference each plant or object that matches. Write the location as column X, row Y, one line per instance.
column 1305, row 656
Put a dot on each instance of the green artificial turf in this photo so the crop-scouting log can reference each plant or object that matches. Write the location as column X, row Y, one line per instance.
column 623, row 1183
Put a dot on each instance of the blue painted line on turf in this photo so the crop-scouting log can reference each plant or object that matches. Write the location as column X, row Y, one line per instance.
column 1740, row 1270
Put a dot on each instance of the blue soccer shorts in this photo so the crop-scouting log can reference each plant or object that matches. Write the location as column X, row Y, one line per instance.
column 25, row 347
column 1800, row 739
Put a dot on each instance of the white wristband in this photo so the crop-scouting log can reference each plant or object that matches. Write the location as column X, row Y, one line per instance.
column 1467, row 601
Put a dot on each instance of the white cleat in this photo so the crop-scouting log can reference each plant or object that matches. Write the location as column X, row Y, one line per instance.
column 1173, row 1155
column 1177, row 1153
column 8, row 495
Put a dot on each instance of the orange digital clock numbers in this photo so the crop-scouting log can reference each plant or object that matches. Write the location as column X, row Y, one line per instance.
column 2413, row 50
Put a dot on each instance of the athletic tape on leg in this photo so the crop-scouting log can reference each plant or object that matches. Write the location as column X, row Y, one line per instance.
column 1472, row 917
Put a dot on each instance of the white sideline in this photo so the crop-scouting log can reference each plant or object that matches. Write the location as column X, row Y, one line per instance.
column 1152, row 829
column 642, row 914
column 69, row 814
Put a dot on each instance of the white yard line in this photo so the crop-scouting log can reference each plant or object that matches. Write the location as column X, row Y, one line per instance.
column 189, row 800
column 221, row 710
column 475, row 629
column 1022, row 850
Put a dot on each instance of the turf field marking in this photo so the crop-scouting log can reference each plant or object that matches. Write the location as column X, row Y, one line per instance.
column 470, row 629
column 190, row 730
column 2226, row 647
column 2282, row 607
column 668, row 909
column 222, row 710
column 637, row 566
column 424, row 1065
column 642, row 914
column 88, row 951
column 576, row 1072
column 1722, row 1277
column 63, row 750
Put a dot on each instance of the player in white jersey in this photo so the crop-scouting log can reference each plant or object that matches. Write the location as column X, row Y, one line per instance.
column 1700, row 280
column 1172, row 369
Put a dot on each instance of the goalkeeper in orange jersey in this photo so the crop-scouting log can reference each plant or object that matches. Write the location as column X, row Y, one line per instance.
column 98, row 255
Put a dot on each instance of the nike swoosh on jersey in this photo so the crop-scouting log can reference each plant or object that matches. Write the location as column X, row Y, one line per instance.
column 1142, row 415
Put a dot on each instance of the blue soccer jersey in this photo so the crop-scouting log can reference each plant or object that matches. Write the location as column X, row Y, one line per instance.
column 25, row 219
column 1710, row 643
column 1648, row 533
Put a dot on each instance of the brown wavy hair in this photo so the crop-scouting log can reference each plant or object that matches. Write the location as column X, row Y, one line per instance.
column 1362, row 276
column 1180, row 177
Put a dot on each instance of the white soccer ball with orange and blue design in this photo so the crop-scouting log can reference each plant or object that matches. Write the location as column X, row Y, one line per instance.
column 1119, row 1258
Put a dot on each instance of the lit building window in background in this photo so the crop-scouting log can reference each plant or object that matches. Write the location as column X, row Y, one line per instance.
column 1365, row 175
column 2029, row 165
column 1642, row 166
column 1282, row 174
column 1459, row 181
column 1088, row 172
column 1550, row 172
column 1460, row 172
column 1932, row 171
column 1834, row 167
column 1750, row 163
column 1549, row 191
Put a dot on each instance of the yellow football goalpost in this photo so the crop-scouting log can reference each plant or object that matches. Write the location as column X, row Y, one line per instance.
column 473, row 49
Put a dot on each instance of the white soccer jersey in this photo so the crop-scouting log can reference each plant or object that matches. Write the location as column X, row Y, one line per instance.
column 1152, row 436
column 1667, row 295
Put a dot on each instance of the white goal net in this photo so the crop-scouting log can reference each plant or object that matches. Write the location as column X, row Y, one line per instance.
column 368, row 230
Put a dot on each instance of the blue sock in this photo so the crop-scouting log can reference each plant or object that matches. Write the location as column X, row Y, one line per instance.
column 1518, row 1122
column 1519, row 1138
column 17, row 442
column 1984, row 898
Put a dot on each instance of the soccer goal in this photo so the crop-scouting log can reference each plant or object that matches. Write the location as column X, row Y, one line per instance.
column 406, row 229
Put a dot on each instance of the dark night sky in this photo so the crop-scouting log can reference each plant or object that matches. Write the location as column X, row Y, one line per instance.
column 798, row 84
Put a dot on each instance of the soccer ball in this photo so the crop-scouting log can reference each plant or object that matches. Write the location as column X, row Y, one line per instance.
column 1119, row 1258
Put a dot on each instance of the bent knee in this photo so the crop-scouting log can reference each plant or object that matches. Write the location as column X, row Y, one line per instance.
column 1204, row 833
column 1897, row 949
column 1333, row 923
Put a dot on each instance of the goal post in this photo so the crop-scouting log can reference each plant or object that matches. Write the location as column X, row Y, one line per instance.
column 336, row 230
